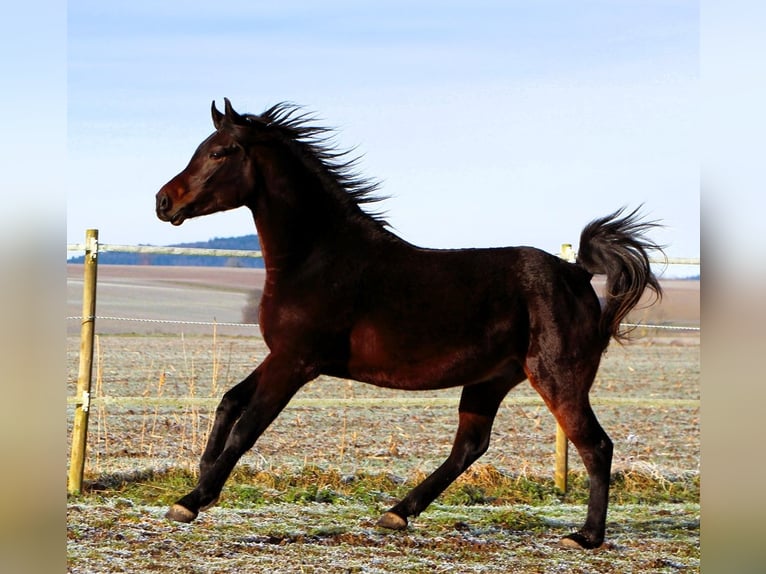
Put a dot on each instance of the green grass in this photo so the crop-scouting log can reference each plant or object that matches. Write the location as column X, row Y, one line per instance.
column 481, row 485
column 318, row 520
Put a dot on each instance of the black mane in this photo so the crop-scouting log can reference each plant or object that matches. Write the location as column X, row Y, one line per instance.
column 315, row 143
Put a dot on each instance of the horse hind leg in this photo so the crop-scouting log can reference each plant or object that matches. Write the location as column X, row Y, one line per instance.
column 567, row 398
column 595, row 448
column 478, row 407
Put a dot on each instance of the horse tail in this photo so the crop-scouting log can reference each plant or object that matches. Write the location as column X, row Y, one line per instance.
column 616, row 246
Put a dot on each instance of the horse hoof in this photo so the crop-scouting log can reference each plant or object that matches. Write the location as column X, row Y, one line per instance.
column 578, row 542
column 392, row 521
column 180, row 513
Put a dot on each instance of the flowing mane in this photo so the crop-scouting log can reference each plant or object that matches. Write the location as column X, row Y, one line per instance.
column 315, row 145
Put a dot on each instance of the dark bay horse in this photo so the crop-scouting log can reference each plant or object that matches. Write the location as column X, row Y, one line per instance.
column 346, row 297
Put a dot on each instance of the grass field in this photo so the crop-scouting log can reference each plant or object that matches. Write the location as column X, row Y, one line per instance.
column 306, row 498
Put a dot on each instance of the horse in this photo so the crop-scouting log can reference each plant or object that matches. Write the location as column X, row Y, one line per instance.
column 344, row 296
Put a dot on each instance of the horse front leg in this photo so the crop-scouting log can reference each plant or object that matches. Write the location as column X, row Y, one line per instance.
column 227, row 413
column 478, row 407
column 273, row 383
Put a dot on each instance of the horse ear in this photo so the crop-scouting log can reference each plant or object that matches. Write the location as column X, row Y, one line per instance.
column 230, row 114
column 217, row 116
column 237, row 126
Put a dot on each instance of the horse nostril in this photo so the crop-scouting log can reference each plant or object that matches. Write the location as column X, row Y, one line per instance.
column 163, row 202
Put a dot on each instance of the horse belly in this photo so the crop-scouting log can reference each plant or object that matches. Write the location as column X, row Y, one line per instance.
column 394, row 360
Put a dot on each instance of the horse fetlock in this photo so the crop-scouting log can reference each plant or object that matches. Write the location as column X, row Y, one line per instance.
column 210, row 504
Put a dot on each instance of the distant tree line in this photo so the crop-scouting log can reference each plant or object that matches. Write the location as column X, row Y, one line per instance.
column 245, row 242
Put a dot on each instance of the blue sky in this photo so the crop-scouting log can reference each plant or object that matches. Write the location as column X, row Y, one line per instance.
column 489, row 123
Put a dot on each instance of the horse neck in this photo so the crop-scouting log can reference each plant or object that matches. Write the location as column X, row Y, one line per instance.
column 297, row 213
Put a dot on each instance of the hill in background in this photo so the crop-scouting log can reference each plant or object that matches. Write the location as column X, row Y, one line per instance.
column 245, row 242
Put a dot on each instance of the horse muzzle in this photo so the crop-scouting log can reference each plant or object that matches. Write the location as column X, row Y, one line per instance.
column 164, row 209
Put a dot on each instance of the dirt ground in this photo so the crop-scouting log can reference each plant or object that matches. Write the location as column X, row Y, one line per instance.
column 337, row 424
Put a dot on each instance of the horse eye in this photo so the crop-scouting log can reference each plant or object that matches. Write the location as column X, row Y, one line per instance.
column 221, row 152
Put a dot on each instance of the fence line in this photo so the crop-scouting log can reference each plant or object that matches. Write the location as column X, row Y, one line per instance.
column 665, row 327
column 567, row 253
column 83, row 400
column 168, row 250
column 359, row 402
column 256, row 325
column 169, row 321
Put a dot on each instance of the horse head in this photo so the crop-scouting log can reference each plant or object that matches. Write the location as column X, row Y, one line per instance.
column 220, row 174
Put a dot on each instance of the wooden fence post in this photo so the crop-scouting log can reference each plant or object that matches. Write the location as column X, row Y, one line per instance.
column 562, row 459
column 562, row 444
column 87, row 329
